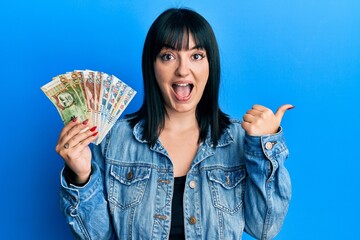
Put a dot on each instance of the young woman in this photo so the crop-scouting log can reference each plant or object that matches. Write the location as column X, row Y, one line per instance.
column 179, row 167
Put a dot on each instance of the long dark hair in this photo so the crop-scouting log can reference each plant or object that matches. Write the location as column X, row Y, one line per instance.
column 172, row 28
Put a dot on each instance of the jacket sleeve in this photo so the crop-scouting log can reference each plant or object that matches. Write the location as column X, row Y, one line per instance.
column 268, row 187
column 86, row 208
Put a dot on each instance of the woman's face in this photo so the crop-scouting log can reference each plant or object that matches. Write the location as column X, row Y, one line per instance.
column 182, row 76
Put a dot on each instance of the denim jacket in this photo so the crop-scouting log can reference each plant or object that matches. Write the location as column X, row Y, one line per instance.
column 240, row 184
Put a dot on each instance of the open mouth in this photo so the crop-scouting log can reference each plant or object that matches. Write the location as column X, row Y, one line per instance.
column 182, row 90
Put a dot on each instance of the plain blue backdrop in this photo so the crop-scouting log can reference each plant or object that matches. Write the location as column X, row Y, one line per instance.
column 302, row 52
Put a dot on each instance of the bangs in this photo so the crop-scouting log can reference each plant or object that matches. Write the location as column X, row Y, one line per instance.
column 175, row 33
column 178, row 39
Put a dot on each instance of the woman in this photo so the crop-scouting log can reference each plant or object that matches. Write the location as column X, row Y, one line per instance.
column 179, row 167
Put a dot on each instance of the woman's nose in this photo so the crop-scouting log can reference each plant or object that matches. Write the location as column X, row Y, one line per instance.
column 182, row 68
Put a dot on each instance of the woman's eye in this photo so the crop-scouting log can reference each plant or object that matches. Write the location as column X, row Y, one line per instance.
column 166, row 57
column 198, row 56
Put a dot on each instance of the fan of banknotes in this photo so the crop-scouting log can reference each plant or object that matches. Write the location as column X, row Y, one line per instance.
column 89, row 95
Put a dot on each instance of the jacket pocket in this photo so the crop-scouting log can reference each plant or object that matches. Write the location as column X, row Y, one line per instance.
column 227, row 187
column 127, row 185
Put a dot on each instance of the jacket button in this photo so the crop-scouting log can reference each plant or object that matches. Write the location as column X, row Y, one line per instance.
column 192, row 220
column 129, row 175
column 268, row 145
column 192, row 184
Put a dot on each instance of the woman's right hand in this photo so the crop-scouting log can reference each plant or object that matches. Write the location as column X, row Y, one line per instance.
column 73, row 147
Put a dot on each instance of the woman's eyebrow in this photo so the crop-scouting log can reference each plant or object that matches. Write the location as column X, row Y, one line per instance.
column 197, row 47
column 166, row 46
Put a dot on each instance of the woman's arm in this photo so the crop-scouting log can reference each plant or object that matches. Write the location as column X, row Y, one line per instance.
column 85, row 207
column 268, row 187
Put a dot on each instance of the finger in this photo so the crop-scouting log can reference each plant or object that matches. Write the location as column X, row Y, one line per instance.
column 80, row 146
column 260, row 108
column 249, row 128
column 254, row 112
column 78, row 129
column 67, row 127
column 75, row 129
column 78, row 143
column 81, row 136
column 86, row 141
column 245, row 125
column 281, row 111
column 249, row 118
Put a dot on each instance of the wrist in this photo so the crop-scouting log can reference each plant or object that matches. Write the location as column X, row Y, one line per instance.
column 76, row 179
column 82, row 179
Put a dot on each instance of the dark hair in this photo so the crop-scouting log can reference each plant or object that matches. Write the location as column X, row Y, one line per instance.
column 173, row 28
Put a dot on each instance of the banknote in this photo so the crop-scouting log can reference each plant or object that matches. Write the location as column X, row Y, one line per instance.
column 71, row 81
column 90, row 95
column 89, row 91
column 107, row 81
column 116, row 93
column 66, row 100
column 111, row 99
column 98, row 93
column 121, row 105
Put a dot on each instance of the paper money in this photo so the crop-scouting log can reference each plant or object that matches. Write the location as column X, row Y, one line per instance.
column 89, row 95
column 71, row 81
column 98, row 93
column 66, row 100
column 107, row 81
column 129, row 93
column 120, row 95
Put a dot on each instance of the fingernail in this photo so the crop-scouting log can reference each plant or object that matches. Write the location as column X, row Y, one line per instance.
column 92, row 129
column 85, row 122
column 95, row 134
column 74, row 119
column 291, row 107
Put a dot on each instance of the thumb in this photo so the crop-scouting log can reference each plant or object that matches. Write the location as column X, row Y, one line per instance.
column 281, row 111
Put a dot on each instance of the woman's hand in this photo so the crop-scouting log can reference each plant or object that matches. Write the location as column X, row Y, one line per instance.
column 260, row 120
column 73, row 147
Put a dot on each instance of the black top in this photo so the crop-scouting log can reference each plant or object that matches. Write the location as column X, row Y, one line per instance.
column 177, row 210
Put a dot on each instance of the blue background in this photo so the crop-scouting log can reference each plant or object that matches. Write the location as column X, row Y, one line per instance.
column 302, row 52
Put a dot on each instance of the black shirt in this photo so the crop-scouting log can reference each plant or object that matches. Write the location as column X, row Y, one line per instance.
column 177, row 210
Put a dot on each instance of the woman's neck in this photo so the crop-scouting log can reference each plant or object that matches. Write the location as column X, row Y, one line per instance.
column 179, row 122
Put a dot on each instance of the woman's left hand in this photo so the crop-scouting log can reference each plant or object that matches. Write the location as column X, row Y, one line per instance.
column 260, row 120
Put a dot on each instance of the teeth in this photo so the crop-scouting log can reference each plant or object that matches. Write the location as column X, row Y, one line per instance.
column 182, row 84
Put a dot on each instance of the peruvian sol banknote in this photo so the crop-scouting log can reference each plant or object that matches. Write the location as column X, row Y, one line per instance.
column 89, row 95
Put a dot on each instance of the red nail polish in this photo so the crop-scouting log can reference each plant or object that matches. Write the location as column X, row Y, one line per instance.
column 85, row 122
column 92, row 129
column 74, row 119
column 291, row 107
column 95, row 134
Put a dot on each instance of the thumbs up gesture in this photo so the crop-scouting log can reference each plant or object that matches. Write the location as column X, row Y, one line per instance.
column 260, row 120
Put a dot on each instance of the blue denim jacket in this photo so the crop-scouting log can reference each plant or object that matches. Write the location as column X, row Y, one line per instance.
column 241, row 184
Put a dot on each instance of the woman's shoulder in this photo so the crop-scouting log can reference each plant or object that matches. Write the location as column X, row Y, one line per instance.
column 235, row 127
column 235, row 123
column 233, row 130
